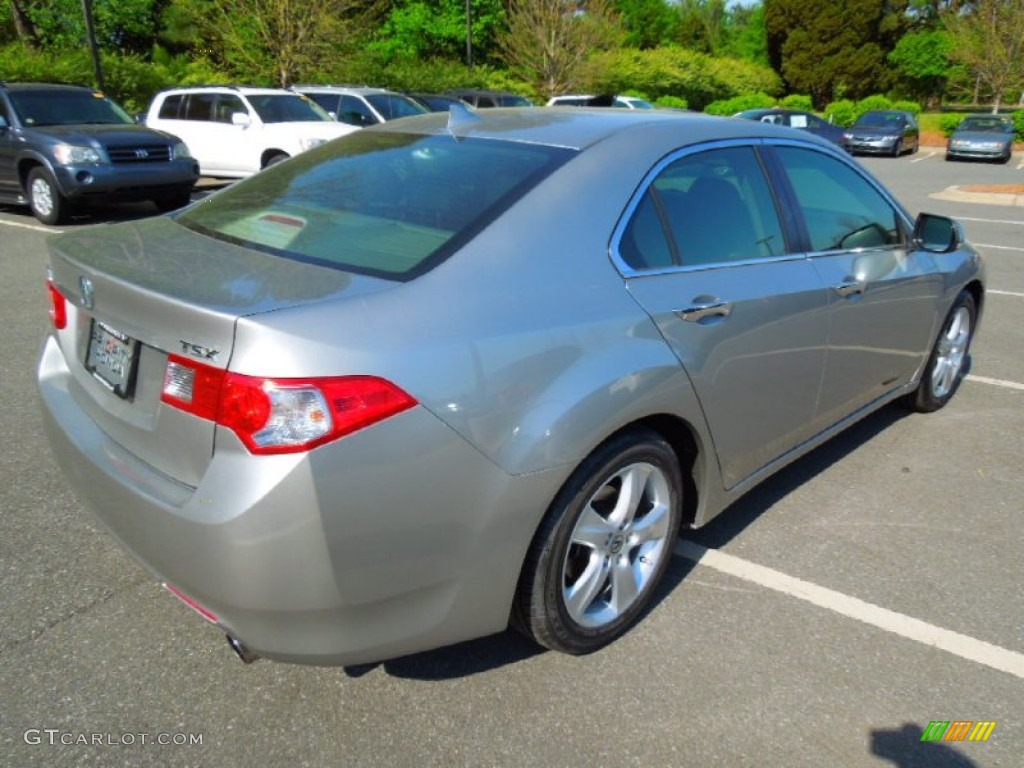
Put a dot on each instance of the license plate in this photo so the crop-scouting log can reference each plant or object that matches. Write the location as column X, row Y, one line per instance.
column 111, row 358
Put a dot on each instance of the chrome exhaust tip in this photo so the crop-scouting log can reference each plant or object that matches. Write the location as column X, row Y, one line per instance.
column 246, row 655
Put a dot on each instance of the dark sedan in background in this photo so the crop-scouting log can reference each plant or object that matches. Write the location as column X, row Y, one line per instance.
column 982, row 137
column 794, row 118
column 883, row 132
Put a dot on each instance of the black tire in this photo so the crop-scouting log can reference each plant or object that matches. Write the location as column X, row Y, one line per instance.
column 897, row 149
column 274, row 159
column 1005, row 158
column 949, row 360
column 44, row 198
column 622, row 554
column 173, row 201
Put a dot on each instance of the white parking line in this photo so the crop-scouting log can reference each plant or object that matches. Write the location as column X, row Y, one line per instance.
column 1006, row 293
column 905, row 626
column 995, row 382
column 999, row 247
column 1019, row 223
column 919, row 158
column 35, row 227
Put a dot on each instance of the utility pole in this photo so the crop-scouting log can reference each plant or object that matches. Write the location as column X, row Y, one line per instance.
column 469, row 36
column 90, row 32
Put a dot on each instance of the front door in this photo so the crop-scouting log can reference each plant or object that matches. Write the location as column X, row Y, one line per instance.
column 882, row 292
column 707, row 258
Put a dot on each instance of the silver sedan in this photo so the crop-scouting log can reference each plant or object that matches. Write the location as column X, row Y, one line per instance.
column 463, row 370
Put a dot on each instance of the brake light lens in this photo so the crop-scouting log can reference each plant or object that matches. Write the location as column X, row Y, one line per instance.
column 58, row 305
column 272, row 416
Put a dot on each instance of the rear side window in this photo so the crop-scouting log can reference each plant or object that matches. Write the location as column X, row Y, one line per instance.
column 705, row 208
column 169, row 109
column 841, row 209
column 387, row 204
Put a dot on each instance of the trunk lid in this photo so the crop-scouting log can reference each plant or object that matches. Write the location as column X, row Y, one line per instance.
column 140, row 291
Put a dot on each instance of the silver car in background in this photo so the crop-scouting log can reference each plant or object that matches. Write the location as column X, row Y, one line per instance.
column 982, row 137
column 467, row 370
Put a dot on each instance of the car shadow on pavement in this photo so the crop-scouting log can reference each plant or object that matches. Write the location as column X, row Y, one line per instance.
column 508, row 647
column 903, row 748
column 744, row 511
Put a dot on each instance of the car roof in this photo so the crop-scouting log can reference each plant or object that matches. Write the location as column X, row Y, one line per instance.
column 356, row 89
column 242, row 89
column 29, row 86
column 585, row 126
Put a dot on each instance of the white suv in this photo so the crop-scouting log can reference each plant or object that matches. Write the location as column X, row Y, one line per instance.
column 236, row 131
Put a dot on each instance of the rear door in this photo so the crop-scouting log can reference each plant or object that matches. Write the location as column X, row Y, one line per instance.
column 8, row 176
column 882, row 292
column 705, row 252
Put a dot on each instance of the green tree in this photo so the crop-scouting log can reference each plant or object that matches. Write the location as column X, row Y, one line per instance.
column 822, row 49
column 988, row 40
column 922, row 59
column 547, row 41
column 279, row 41
column 746, row 37
column 648, row 23
column 702, row 25
column 427, row 29
column 122, row 26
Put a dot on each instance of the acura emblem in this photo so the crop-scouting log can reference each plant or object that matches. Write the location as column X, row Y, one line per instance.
column 142, row 154
column 87, row 291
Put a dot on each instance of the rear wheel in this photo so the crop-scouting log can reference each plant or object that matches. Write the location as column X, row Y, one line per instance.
column 280, row 157
column 47, row 203
column 949, row 358
column 603, row 546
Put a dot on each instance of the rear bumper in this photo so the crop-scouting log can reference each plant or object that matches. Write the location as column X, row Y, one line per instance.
column 124, row 182
column 396, row 539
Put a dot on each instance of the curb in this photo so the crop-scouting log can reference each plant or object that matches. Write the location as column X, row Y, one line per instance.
column 959, row 194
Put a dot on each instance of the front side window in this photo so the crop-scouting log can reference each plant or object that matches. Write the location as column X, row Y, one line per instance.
column 227, row 105
column 842, row 210
column 286, row 108
column 393, row 105
column 386, row 204
column 355, row 112
column 705, row 208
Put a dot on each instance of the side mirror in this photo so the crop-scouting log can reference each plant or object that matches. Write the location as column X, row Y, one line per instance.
column 937, row 234
column 240, row 118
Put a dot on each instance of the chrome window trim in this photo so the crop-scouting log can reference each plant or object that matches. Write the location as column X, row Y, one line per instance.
column 629, row 272
column 627, row 215
column 852, row 164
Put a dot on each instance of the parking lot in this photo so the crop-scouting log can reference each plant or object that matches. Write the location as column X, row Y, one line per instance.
column 826, row 619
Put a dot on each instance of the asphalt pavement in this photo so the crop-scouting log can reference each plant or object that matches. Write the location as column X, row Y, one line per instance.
column 827, row 619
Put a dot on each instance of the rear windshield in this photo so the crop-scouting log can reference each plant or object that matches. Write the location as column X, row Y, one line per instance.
column 52, row 107
column 387, row 204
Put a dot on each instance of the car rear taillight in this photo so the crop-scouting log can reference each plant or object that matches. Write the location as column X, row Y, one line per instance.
column 281, row 415
column 58, row 305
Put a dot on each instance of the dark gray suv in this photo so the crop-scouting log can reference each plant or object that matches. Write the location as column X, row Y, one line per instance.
column 61, row 145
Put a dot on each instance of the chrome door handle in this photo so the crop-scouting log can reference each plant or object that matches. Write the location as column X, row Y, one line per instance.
column 850, row 288
column 699, row 312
